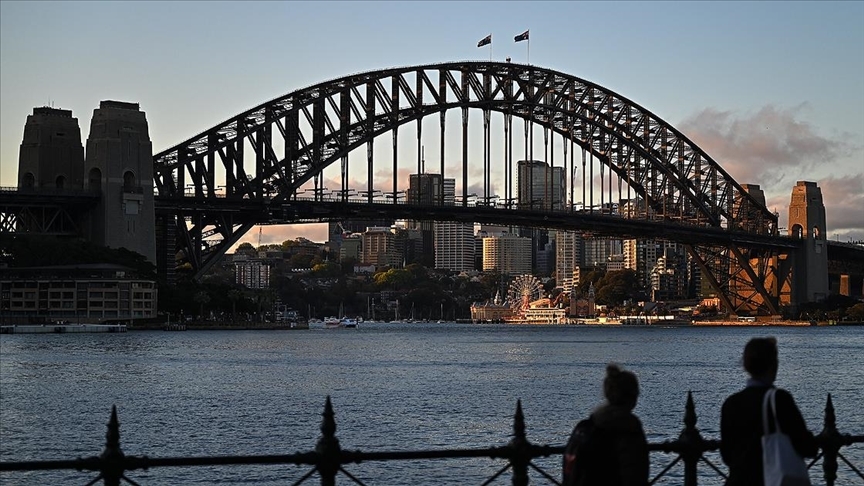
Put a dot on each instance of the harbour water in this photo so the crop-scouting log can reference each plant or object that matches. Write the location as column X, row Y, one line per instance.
column 393, row 387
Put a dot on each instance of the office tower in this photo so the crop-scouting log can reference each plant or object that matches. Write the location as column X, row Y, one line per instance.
column 454, row 241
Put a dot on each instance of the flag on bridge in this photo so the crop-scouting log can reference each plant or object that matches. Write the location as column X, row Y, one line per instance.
column 521, row 37
column 484, row 41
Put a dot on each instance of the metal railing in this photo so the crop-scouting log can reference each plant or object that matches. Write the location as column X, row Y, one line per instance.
column 328, row 459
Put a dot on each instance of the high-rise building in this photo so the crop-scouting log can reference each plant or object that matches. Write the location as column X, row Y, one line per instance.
column 507, row 254
column 568, row 248
column 253, row 274
column 425, row 190
column 454, row 241
column 379, row 247
column 351, row 248
column 540, row 188
column 596, row 251
column 669, row 276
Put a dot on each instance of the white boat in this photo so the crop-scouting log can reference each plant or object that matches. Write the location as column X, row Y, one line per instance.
column 348, row 322
column 331, row 322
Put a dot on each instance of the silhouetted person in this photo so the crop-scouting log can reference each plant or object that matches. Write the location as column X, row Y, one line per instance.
column 610, row 448
column 741, row 417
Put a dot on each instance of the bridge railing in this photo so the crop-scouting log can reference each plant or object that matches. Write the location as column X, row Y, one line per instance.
column 328, row 460
column 50, row 191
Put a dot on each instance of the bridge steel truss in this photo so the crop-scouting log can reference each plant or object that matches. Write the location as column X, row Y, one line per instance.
column 46, row 212
column 217, row 185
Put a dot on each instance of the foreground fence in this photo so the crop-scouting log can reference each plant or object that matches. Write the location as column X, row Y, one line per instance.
column 328, row 459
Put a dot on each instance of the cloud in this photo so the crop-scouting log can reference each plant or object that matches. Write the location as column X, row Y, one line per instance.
column 276, row 234
column 845, row 197
column 768, row 147
column 776, row 147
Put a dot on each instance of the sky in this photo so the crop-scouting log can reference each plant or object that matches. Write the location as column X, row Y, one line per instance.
column 772, row 91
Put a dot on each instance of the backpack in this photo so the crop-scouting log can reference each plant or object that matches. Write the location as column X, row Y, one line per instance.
column 580, row 454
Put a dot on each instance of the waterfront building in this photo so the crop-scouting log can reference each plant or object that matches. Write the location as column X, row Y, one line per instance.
column 568, row 249
column 493, row 310
column 86, row 293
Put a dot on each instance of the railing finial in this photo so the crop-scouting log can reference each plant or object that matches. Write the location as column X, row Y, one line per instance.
column 519, row 422
column 830, row 416
column 328, row 423
column 328, row 449
column 690, row 412
column 112, row 458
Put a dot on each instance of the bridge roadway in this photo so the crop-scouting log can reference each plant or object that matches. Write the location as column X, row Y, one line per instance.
column 46, row 211
column 310, row 210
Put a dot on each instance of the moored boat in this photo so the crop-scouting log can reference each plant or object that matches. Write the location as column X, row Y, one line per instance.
column 61, row 328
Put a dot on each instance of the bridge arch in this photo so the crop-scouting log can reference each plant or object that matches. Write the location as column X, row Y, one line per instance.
column 262, row 157
column 675, row 177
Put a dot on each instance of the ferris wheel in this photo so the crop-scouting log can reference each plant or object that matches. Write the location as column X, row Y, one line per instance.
column 523, row 290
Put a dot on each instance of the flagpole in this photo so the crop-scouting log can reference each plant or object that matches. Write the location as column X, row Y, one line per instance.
column 529, row 50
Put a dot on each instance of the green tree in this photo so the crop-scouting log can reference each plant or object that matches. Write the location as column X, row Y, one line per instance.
column 235, row 295
column 245, row 247
column 327, row 269
column 201, row 298
column 856, row 312
column 394, row 278
column 300, row 261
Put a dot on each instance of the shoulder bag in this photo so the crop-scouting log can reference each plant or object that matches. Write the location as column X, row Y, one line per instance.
column 782, row 466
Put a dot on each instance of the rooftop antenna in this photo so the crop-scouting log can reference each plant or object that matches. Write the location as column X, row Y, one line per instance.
column 422, row 159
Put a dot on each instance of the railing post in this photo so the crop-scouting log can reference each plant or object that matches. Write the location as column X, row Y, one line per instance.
column 830, row 441
column 691, row 443
column 112, row 458
column 327, row 447
column 519, row 447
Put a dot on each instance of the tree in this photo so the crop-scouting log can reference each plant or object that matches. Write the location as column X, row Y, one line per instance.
column 395, row 278
column 856, row 312
column 201, row 298
column 245, row 247
column 234, row 295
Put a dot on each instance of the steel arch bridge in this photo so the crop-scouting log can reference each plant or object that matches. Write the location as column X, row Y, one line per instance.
column 266, row 166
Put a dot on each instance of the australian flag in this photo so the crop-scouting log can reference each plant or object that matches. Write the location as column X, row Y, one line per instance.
column 485, row 40
column 521, row 37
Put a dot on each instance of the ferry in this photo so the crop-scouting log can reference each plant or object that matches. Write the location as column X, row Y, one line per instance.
column 61, row 328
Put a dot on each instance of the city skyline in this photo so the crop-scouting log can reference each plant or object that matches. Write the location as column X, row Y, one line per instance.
column 773, row 91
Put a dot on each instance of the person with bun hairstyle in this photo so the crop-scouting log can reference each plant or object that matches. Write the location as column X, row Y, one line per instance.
column 741, row 417
column 609, row 448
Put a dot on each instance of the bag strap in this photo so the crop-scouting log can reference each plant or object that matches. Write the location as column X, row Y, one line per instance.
column 769, row 401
